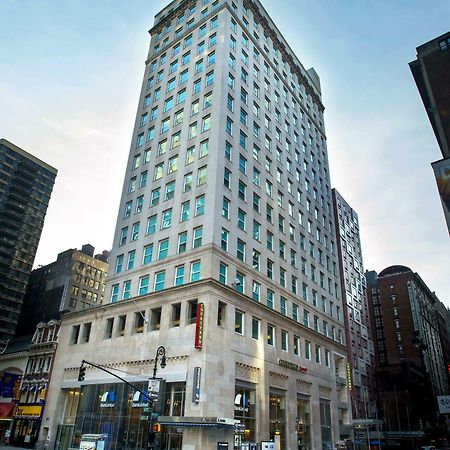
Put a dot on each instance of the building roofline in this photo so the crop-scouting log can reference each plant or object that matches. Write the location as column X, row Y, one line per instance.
column 431, row 41
column 27, row 155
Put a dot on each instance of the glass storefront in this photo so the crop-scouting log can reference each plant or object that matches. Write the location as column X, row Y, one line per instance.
column 245, row 411
column 325, row 425
column 25, row 432
column 174, row 399
column 277, row 417
column 121, row 413
column 303, row 423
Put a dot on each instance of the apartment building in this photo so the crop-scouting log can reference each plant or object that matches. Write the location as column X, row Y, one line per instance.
column 26, row 184
column 76, row 280
column 360, row 350
column 408, row 351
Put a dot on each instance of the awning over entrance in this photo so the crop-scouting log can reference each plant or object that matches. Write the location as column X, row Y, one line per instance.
column 6, row 409
column 212, row 422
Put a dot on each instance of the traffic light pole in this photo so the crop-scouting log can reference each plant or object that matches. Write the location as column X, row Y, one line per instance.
column 160, row 353
column 114, row 375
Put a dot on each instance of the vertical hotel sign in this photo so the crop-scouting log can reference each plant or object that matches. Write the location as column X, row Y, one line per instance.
column 442, row 173
column 199, row 324
column 349, row 376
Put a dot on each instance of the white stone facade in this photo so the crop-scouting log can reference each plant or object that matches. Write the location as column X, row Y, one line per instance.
column 226, row 201
column 228, row 359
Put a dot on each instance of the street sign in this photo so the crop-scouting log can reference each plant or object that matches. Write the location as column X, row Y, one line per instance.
column 153, row 386
column 239, row 428
column 222, row 446
column 153, row 389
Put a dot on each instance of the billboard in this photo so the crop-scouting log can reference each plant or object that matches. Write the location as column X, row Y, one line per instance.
column 442, row 173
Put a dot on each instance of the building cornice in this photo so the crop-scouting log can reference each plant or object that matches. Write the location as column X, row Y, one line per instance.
column 278, row 44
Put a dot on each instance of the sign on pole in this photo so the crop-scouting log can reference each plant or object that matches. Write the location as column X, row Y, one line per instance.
column 444, row 404
column 153, row 388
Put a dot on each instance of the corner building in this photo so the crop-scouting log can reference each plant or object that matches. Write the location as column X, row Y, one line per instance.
column 226, row 203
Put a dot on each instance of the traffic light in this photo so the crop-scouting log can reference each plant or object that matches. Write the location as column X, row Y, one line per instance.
column 156, row 428
column 82, row 373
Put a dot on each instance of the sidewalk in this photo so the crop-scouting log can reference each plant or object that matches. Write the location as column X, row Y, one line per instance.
column 7, row 447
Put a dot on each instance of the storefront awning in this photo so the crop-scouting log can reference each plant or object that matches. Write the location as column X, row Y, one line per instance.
column 6, row 409
column 212, row 422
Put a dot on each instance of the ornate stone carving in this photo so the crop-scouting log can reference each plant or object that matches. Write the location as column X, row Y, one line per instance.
column 304, row 386
column 278, row 380
column 325, row 391
column 247, row 373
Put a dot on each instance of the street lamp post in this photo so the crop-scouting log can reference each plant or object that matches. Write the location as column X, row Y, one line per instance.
column 160, row 352
column 153, row 396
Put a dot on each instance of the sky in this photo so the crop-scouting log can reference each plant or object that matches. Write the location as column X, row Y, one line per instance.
column 70, row 79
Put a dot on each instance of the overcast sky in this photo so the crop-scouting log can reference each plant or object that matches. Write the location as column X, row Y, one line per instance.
column 70, row 77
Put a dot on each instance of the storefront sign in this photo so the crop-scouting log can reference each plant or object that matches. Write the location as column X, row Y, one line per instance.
column 108, row 400
column 196, row 384
column 199, row 326
column 293, row 366
column 29, row 411
column 349, row 376
column 241, row 403
column 7, row 383
column 139, row 400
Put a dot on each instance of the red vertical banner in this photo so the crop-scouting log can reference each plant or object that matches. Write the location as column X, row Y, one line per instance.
column 198, row 344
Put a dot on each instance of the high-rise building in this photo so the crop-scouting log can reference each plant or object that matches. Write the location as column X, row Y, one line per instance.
column 410, row 367
column 443, row 318
column 360, row 349
column 224, row 250
column 76, row 280
column 431, row 71
column 26, row 184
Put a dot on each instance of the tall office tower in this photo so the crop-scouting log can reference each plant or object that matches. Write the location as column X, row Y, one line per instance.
column 76, row 280
column 225, row 243
column 410, row 366
column 360, row 349
column 26, row 184
column 431, row 71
